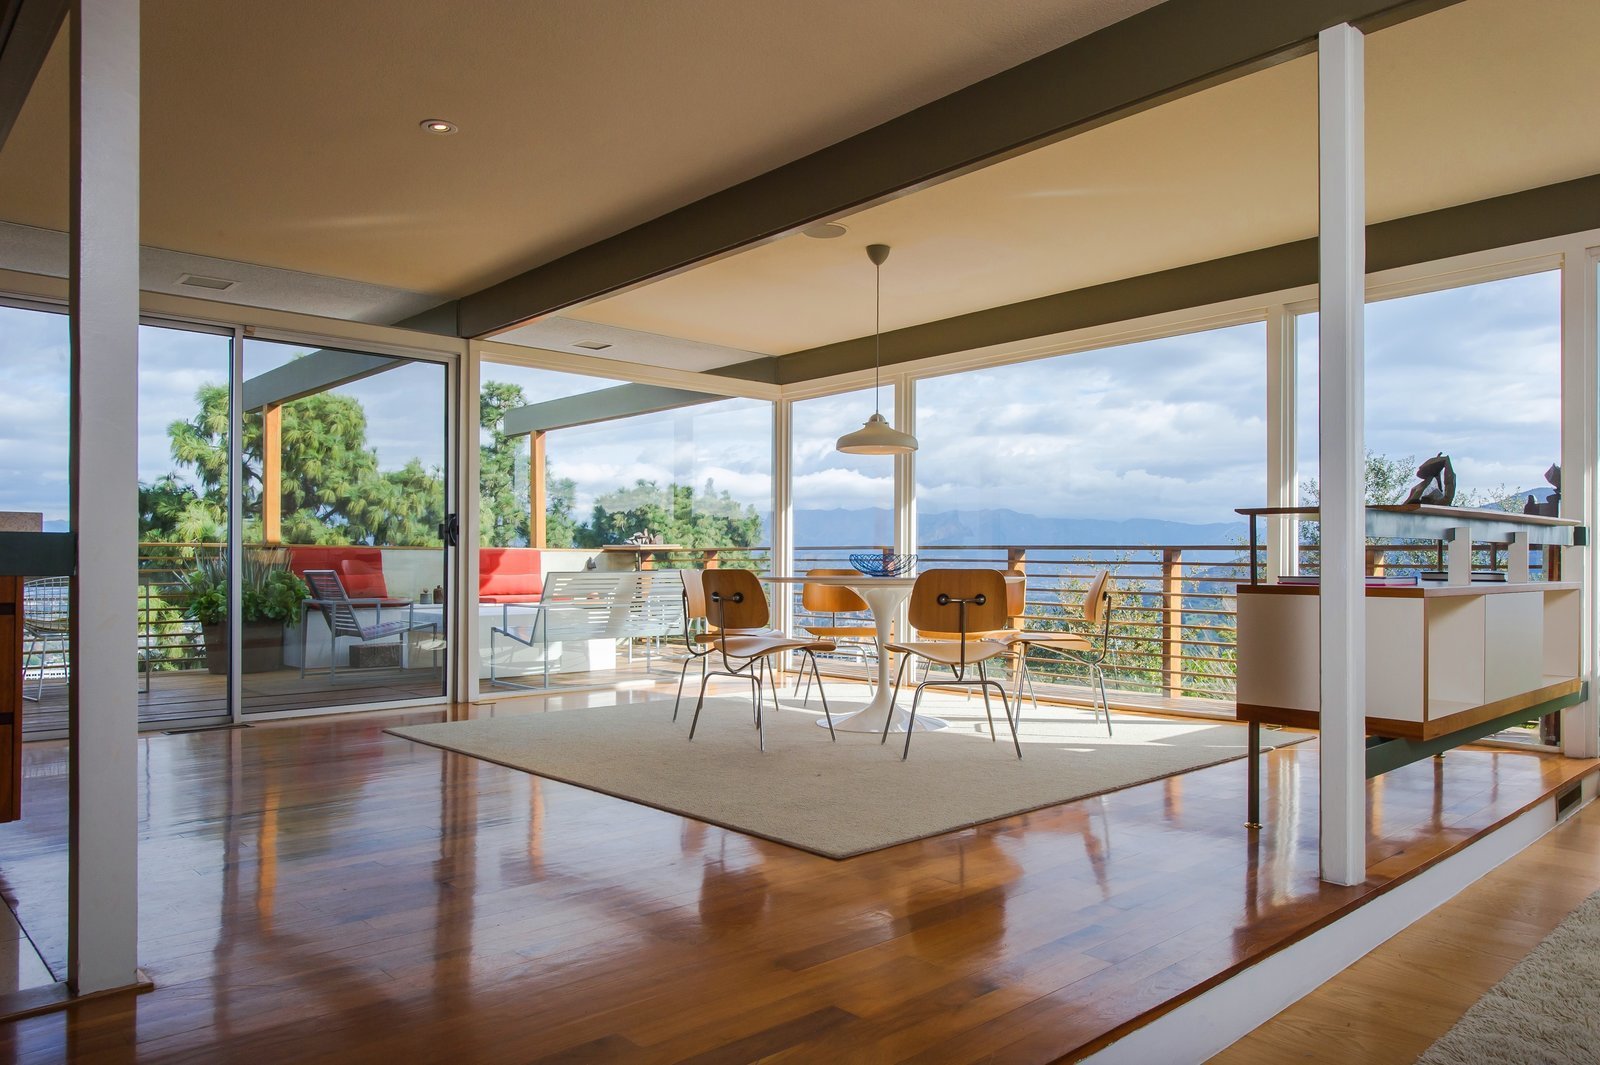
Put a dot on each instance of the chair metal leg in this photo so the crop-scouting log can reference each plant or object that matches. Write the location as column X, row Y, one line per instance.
column 911, row 722
column 38, row 691
column 705, row 679
column 1017, row 743
column 683, row 675
column 1105, row 702
column 823, row 694
column 893, row 696
column 983, row 685
column 761, row 731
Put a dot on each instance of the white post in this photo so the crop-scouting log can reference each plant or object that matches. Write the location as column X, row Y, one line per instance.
column 468, row 499
column 1580, row 449
column 905, row 470
column 783, row 508
column 905, row 490
column 1342, row 603
column 1282, row 476
column 103, row 833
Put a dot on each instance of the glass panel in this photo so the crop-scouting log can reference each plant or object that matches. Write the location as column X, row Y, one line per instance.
column 35, row 442
column 1130, row 459
column 696, row 480
column 183, row 525
column 1474, row 372
column 344, row 572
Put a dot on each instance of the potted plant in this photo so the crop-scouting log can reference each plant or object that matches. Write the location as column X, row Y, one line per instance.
column 270, row 597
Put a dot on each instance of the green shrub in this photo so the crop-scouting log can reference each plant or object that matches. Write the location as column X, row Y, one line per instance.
column 269, row 589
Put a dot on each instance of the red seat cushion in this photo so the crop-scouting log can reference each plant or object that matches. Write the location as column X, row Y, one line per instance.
column 362, row 579
column 509, row 574
column 360, row 569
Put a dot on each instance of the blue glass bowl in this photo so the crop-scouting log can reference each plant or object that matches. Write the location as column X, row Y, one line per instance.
column 877, row 564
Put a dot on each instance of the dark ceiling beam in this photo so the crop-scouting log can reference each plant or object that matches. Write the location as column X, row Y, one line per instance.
column 27, row 30
column 1499, row 222
column 602, row 405
column 1170, row 50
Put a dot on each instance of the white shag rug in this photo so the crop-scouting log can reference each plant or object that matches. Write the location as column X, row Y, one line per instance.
column 850, row 797
column 1545, row 1012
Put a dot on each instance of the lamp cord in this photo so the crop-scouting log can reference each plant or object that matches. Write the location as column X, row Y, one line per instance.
column 877, row 335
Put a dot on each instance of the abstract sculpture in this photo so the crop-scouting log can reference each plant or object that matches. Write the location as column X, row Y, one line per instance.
column 1551, row 507
column 1437, row 486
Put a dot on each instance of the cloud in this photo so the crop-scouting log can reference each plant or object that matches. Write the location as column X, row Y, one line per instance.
column 1474, row 372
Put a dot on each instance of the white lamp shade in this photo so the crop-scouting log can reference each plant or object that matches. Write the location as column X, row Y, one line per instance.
column 877, row 437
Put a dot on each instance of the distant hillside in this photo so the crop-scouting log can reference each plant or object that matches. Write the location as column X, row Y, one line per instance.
column 958, row 527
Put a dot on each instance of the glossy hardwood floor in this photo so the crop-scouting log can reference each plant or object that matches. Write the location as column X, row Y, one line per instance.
column 318, row 891
column 1391, row 1005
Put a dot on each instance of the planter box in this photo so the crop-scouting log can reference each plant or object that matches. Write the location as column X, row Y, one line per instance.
column 262, row 650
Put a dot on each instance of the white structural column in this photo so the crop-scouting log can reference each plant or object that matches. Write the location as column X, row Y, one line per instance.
column 1342, row 294
column 905, row 469
column 1580, row 450
column 1282, row 485
column 905, row 490
column 103, row 871
column 783, row 508
column 467, row 500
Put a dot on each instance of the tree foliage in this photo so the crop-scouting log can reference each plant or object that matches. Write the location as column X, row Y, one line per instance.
column 333, row 490
column 503, row 479
column 714, row 519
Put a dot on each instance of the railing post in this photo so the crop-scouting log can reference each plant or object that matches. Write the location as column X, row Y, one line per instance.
column 712, row 558
column 1171, row 607
column 1017, row 566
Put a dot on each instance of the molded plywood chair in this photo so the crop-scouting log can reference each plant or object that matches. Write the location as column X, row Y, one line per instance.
column 738, row 615
column 700, row 635
column 854, row 636
column 1073, row 646
column 957, row 608
column 329, row 598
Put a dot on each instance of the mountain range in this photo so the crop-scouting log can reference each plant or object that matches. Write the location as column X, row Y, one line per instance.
column 842, row 527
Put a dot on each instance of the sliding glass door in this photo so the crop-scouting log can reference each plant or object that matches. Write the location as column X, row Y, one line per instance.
column 344, row 574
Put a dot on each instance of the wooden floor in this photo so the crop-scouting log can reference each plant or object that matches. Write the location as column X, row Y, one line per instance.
column 317, row 891
column 1390, row 1006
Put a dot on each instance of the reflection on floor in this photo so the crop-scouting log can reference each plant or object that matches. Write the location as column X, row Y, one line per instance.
column 195, row 696
column 316, row 890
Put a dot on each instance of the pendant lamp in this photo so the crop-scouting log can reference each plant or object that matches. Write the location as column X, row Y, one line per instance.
column 877, row 436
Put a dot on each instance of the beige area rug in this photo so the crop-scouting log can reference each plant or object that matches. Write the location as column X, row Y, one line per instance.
column 1545, row 1012
column 845, row 798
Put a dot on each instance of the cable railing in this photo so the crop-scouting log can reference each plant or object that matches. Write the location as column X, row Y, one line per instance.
column 1174, row 606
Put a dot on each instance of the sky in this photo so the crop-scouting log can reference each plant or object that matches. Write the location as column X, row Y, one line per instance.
column 1171, row 428
column 1474, row 372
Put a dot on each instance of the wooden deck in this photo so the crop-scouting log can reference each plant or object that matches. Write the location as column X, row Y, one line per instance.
column 318, row 891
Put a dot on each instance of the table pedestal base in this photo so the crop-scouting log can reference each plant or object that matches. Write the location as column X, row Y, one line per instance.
column 870, row 719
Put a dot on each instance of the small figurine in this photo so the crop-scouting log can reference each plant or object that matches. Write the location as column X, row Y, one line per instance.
column 1437, row 486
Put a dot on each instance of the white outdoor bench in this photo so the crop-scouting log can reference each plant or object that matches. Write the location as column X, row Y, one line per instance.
column 591, row 605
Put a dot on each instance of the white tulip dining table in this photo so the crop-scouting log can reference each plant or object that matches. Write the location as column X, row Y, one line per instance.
column 883, row 596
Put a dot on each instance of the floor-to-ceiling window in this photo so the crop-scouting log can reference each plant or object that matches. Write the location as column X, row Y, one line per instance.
column 1472, row 372
column 581, row 474
column 1129, row 458
column 184, row 479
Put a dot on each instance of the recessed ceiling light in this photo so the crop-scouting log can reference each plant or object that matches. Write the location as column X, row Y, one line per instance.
column 215, row 284
column 437, row 125
column 825, row 230
column 591, row 345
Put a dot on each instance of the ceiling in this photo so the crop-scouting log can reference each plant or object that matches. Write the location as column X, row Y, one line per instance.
column 285, row 136
column 1476, row 100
